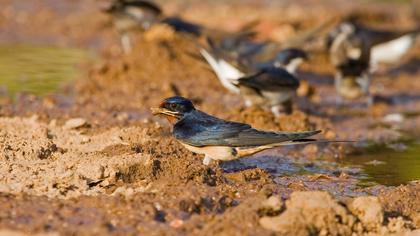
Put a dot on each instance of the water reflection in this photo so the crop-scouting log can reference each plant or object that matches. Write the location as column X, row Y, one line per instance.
column 388, row 165
column 37, row 69
column 377, row 164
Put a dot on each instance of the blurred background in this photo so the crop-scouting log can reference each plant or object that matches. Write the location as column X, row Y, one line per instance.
column 43, row 40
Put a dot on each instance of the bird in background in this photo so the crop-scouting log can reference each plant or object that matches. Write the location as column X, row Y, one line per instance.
column 386, row 46
column 139, row 15
column 289, row 59
column 270, row 87
column 356, row 50
column 268, row 84
column 219, row 139
column 233, row 59
column 130, row 16
column 350, row 55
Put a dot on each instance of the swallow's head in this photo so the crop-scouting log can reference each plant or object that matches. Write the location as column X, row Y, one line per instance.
column 345, row 28
column 174, row 108
column 290, row 59
column 134, row 8
column 289, row 55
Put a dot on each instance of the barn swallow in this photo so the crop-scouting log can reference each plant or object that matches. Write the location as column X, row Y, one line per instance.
column 356, row 50
column 219, row 139
column 350, row 55
column 267, row 84
column 290, row 59
column 140, row 15
column 271, row 87
column 232, row 59
column 132, row 15
column 386, row 47
column 229, row 69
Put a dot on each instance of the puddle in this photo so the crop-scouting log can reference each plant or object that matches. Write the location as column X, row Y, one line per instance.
column 390, row 165
column 37, row 70
column 387, row 165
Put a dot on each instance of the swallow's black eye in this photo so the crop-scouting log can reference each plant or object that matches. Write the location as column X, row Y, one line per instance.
column 173, row 106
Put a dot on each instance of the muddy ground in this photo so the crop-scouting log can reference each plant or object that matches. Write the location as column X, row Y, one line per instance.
column 90, row 159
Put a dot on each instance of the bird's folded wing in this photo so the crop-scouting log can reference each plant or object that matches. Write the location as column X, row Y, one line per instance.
column 250, row 137
column 253, row 137
column 270, row 81
column 200, row 129
column 378, row 37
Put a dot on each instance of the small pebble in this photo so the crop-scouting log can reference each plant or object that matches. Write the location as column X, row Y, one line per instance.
column 75, row 123
column 176, row 223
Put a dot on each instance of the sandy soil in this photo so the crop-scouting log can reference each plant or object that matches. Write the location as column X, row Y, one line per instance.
column 91, row 160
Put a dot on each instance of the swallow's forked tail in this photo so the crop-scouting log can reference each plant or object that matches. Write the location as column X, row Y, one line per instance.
column 247, row 151
column 224, row 71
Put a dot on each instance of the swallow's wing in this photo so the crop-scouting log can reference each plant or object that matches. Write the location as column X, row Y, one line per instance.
column 253, row 137
column 144, row 4
column 270, row 79
column 376, row 37
column 138, row 8
column 199, row 129
column 180, row 25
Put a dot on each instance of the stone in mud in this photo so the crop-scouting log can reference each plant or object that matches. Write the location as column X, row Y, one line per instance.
column 311, row 213
column 368, row 210
column 75, row 123
column 271, row 207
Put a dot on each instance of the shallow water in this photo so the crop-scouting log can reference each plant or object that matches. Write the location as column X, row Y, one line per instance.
column 388, row 165
column 37, row 69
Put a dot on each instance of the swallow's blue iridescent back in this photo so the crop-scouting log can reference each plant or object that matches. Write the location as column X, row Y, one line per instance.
column 200, row 129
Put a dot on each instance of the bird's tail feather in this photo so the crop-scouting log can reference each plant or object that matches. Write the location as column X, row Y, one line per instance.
column 242, row 152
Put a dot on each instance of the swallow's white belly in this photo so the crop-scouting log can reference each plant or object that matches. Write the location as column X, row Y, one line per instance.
column 278, row 97
column 268, row 98
column 222, row 153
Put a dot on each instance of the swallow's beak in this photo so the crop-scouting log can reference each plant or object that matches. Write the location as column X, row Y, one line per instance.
column 157, row 111
column 164, row 111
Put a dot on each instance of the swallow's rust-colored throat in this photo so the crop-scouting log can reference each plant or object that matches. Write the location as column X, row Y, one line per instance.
column 171, row 116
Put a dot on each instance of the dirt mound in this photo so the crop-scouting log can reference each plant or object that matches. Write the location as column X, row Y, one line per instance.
column 46, row 159
column 59, row 162
column 309, row 213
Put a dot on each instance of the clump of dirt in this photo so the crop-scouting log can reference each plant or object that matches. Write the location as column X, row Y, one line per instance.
column 396, row 200
column 307, row 213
